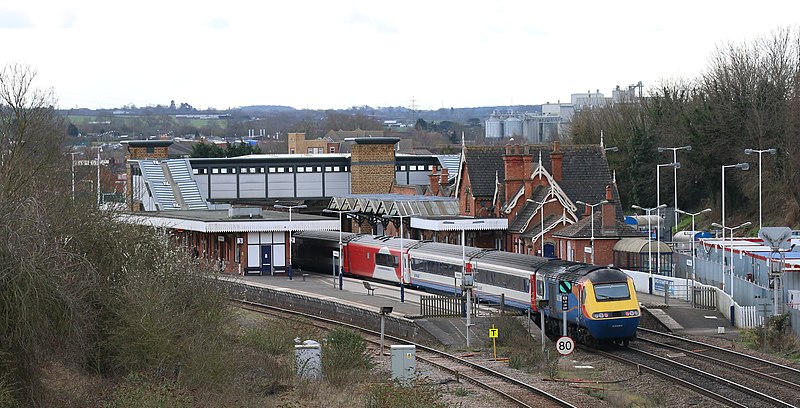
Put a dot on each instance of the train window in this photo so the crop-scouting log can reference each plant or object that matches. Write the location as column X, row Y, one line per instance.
column 540, row 289
column 611, row 291
column 385, row 260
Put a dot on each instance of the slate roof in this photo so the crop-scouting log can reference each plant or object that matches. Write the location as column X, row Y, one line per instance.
column 583, row 229
column 536, row 228
column 482, row 162
column 585, row 172
column 529, row 209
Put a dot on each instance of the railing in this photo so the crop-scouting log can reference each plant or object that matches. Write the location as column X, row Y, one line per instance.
column 444, row 306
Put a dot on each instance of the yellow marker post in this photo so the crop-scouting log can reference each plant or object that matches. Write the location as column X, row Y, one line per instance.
column 493, row 335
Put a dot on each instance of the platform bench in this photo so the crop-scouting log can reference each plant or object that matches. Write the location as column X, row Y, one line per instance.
column 369, row 288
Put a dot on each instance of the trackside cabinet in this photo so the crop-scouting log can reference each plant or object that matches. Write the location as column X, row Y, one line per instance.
column 308, row 360
column 404, row 364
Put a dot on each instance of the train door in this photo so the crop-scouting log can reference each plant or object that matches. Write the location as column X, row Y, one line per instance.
column 406, row 268
column 539, row 289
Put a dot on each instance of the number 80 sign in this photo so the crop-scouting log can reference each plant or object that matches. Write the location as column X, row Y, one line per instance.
column 565, row 345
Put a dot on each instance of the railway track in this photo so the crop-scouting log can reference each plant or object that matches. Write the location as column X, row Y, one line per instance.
column 779, row 381
column 512, row 390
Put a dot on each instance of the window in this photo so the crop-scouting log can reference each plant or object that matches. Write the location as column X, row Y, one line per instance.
column 300, row 170
column 272, row 169
column 402, row 168
column 309, row 169
column 319, row 169
column 328, row 169
column 253, row 170
column 611, row 291
column 386, row 260
column 223, row 171
column 195, row 171
column 336, row 168
column 243, row 170
column 332, row 149
column 214, row 171
column 467, row 201
column 430, row 167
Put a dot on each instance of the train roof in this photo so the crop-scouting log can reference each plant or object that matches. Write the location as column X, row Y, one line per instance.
column 387, row 241
column 574, row 271
column 326, row 235
column 482, row 255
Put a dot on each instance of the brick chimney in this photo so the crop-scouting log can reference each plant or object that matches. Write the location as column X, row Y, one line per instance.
column 444, row 176
column 514, row 171
column 434, row 181
column 372, row 165
column 527, row 168
column 587, row 211
column 609, row 211
column 557, row 158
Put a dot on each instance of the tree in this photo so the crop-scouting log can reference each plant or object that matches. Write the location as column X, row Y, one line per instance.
column 72, row 130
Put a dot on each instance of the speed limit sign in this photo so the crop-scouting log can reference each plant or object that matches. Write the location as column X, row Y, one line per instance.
column 565, row 345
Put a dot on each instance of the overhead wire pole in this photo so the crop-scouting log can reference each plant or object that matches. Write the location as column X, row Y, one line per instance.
column 649, row 244
column 541, row 208
column 592, row 220
column 341, row 249
column 402, row 257
column 675, row 175
column 743, row 167
column 694, row 238
column 290, row 207
column 751, row 151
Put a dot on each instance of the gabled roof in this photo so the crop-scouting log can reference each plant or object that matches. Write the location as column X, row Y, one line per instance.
column 550, row 222
column 583, row 229
column 482, row 163
column 529, row 209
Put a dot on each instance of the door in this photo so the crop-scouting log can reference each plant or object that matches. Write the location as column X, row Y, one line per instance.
column 266, row 259
column 549, row 250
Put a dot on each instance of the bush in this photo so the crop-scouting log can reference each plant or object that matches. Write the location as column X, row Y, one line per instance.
column 392, row 395
column 136, row 392
column 344, row 356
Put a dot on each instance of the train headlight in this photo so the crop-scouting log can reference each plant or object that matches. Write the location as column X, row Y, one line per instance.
column 601, row 315
column 632, row 313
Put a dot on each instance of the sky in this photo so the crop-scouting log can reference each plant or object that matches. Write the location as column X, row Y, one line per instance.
column 334, row 54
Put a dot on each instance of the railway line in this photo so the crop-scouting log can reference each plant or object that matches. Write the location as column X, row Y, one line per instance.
column 511, row 390
column 778, row 381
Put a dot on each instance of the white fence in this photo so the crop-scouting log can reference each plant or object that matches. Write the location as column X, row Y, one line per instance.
column 681, row 288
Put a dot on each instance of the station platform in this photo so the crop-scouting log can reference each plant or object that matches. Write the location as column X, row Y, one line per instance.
column 675, row 315
column 678, row 316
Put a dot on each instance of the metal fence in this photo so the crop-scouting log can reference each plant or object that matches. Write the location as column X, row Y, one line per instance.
column 745, row 292
column 445, row 306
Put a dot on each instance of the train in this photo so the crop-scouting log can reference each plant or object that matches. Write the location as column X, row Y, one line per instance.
column 600, row 301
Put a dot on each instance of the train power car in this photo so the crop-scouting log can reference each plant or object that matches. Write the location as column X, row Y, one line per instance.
column 601, row 302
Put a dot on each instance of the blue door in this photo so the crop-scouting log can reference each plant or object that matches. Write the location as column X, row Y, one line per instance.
column 266, row 259
column 549, row 250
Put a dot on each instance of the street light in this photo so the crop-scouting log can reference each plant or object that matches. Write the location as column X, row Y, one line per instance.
column 676, row 166
column 402, row 248
column 341, row 254
column 541, row 208
column 751, row 151
column 72, row 154
column 694, row 234
column 714, row 224
column 464, row 267
column 290, row 208
column 650, row 244
column 743, row 167
column 675, row 173
column 592, row 218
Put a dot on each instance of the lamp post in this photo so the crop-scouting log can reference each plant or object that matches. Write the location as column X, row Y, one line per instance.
column 72, row 154
column 592, row 219
column 743, row 167
column 541, row 208
column 723, row 251
column 650, row 244
column 290, row 208
column 341, row 254
column 464, row 267
column 676, row 166
column 675, row 173
column 694, row 234
column 402, row 248
column 751, row 151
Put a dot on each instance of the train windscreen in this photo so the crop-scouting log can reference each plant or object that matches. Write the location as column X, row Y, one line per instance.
column 611, row 291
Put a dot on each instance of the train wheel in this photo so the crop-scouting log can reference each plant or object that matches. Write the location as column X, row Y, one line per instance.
column 625, row 343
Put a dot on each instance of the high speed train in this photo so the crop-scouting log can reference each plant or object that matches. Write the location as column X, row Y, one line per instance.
column 600, row 301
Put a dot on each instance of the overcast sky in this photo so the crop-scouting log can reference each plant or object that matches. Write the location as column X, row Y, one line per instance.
column 342, row 53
